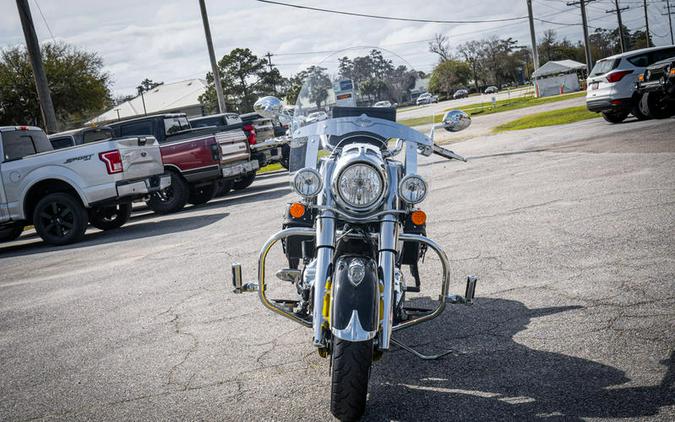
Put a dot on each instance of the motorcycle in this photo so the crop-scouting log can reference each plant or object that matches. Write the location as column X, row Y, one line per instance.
column 357, row 223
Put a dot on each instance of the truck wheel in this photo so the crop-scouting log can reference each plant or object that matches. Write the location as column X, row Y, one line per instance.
column 171, row 199
column 285, row 156
column 10, row 233
column 652, row 105
column 614, row 116
column 202, row 194
column 350, row 371
column 637, row 112
column 60, row 219
column 108, row 218
column 224, row 187
column 244, row 182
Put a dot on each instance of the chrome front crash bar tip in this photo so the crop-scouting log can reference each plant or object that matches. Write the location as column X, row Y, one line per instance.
column 469, row 293
column 237, row 283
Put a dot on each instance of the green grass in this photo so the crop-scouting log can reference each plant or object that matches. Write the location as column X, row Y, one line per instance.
column 548, row 118
column 487, row 107
column 269, row 168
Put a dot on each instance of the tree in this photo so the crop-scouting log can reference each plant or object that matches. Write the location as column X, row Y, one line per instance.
column 78, row 86
column 244, row 77
column 148, row 84
column 471, row 52
column 317, row 86
column 440, row 46
column 449, row 76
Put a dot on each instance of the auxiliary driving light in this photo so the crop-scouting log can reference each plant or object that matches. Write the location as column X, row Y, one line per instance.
column 412, row 189
column 307, row 182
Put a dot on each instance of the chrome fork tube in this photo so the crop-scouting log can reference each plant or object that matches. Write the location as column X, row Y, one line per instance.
column 325, row 247
column 387, row 250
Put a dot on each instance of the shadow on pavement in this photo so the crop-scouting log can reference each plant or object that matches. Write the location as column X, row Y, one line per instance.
column 127, row 232
column 501, row 379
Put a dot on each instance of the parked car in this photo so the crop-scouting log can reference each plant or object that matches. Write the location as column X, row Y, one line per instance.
column 267, row 147
column 317, row 116
column 60, row 192
column 611, row 85
column 491, row 90
column 382, row 104
column 656, row 88
column 80, row 136
column 426, row 98
column 201, row 162
column 460, row 93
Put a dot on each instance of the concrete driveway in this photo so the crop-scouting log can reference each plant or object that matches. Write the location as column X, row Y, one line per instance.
column 570, row 230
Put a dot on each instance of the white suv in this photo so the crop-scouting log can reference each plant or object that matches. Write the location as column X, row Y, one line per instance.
column 611, row 84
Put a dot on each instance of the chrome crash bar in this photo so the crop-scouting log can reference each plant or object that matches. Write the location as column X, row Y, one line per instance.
column 311, row 233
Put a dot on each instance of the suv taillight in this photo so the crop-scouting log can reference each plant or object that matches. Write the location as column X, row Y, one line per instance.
column 617, row 76
column 112, row 160
column 250, row 134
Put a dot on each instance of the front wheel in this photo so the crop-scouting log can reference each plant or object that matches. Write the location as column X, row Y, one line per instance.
column 350, row 370
column 652, row 104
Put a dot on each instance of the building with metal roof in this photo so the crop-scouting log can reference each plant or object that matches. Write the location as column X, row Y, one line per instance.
column 176, row 97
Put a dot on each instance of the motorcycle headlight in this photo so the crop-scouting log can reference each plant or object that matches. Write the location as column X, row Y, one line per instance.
column 412, row 189
column 360, row 185
column 307, row 182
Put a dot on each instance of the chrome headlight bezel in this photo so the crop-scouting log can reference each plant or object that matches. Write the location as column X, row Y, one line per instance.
column 373, row 205
column 302, row 173
column 407, row 179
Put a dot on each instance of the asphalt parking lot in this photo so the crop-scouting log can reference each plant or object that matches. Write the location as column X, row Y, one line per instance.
column 570, row 230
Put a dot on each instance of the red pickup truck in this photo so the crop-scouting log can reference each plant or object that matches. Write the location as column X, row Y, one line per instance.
column 200, row 161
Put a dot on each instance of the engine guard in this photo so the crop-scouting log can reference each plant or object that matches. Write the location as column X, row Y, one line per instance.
column 310, row 233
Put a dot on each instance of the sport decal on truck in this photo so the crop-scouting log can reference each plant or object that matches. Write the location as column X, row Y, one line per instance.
column 80, row 158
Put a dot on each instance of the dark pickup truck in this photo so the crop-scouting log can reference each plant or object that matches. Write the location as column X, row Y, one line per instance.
column 266, row 140
column 656, row 87
column 201, row 161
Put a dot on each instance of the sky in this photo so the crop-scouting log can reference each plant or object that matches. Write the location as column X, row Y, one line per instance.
column 164, row 39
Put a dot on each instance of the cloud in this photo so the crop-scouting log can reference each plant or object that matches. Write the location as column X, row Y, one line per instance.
column 164, row 40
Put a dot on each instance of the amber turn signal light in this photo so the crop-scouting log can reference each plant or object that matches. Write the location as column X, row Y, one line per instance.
column 297, row 210
column 418, row 217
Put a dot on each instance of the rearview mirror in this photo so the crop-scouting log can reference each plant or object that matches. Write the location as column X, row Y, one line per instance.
column 456, row 120
column 270, row 107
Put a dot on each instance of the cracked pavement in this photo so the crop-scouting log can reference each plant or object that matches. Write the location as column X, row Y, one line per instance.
column 570, row 230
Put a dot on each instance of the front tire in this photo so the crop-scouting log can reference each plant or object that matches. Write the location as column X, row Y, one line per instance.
column 60, row 219
column 350, row 370
column 244, row 182
column 171, row 199
column 109, row 218
column 614, row 117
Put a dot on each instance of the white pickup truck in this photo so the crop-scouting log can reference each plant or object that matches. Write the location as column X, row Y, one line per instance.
column 60, row 191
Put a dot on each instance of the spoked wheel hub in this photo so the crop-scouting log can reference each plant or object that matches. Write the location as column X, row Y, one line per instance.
column 58, row 219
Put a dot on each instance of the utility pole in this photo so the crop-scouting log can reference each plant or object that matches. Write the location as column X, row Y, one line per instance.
column 670, row 20
column 618, row 14
column 649, row 43
column 33, row 47
column 140, row 91
column 222, row 108
column 269, row 65
column 587, row 43
column 535, row 53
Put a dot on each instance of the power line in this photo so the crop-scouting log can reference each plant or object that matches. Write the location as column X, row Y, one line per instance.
column 365, row 15
column 44, row 20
